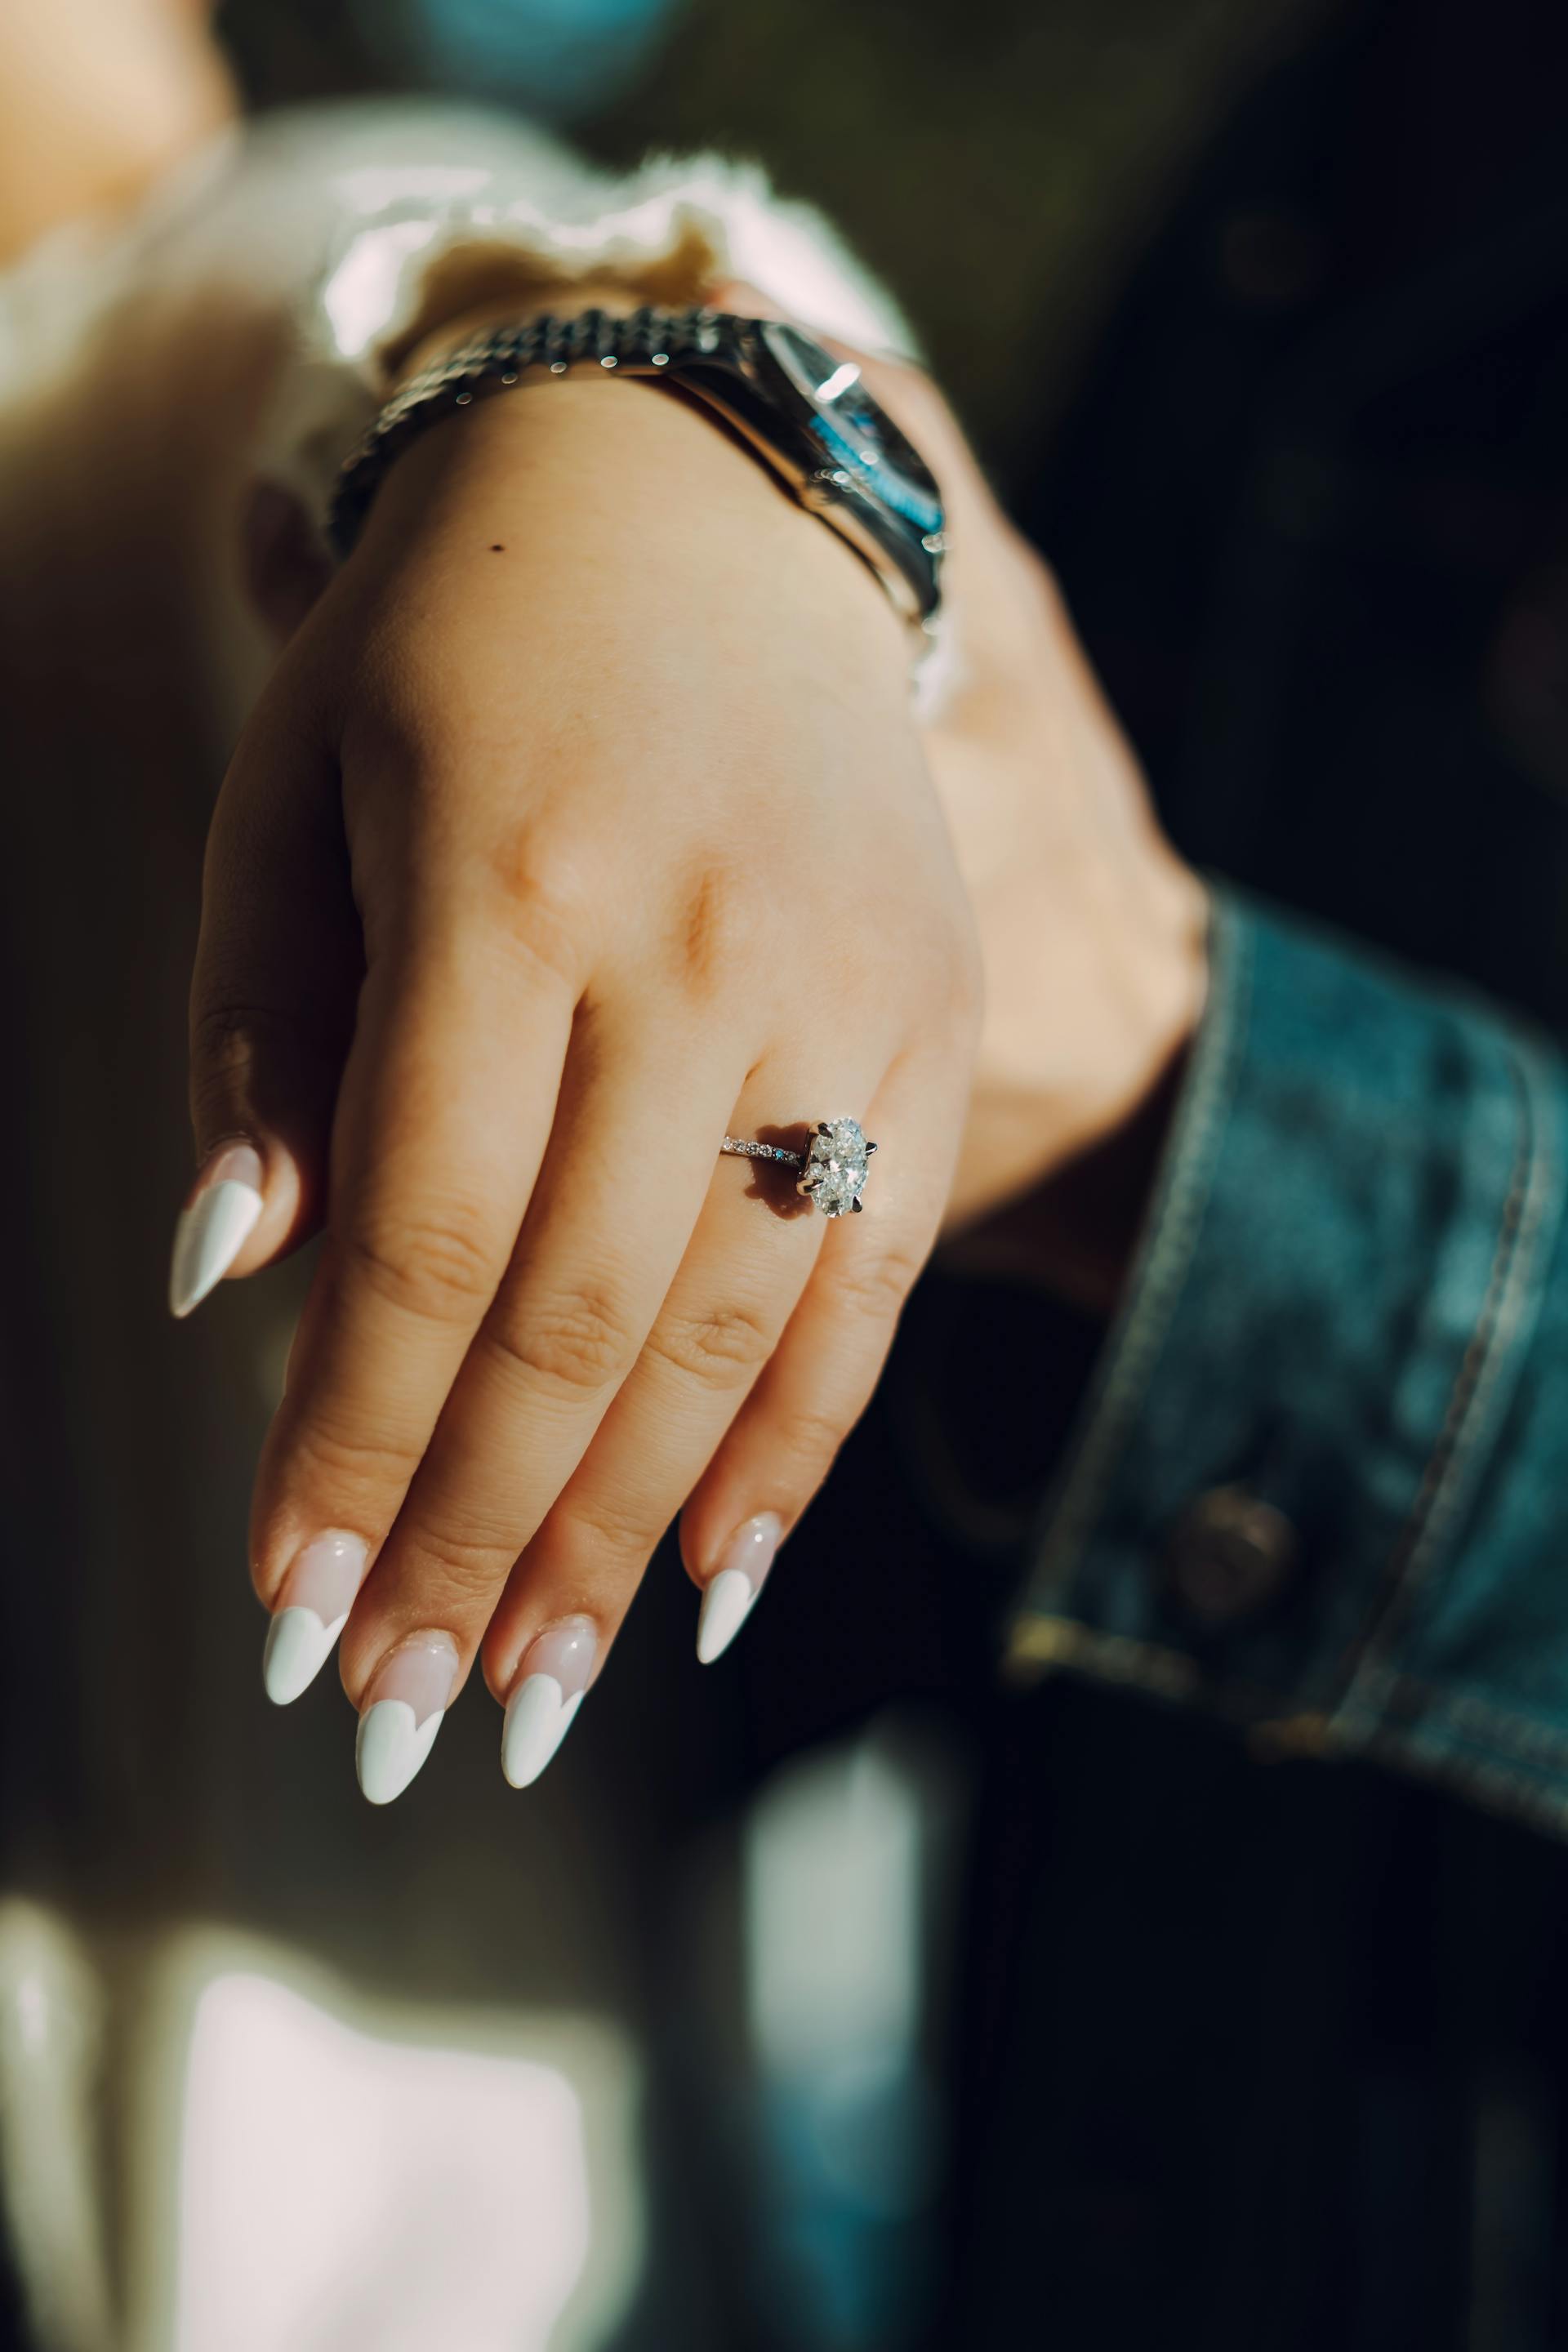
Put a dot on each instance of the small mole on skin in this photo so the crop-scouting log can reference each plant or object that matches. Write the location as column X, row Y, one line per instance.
column 498, row 548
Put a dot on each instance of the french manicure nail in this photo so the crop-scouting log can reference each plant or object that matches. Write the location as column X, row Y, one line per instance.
column 552, row 1683
column 215, row 1224
column 731, row 1595
column 314, row 1604
column 404, row 1708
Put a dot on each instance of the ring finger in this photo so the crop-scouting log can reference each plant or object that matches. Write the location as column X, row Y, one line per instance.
column 734, row 1304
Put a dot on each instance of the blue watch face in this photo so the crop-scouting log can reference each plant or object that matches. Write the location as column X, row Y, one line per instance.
column 857, row 436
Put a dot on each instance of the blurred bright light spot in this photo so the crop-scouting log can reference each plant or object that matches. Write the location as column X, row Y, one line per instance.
column 51, row 2021
column 839, row 380
column 300, row 2169
column 345, row 2193
column 360, row 294
column 833, row 1910
column 844, row 1876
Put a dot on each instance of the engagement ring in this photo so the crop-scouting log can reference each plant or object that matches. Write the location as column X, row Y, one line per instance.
column 834, row 1166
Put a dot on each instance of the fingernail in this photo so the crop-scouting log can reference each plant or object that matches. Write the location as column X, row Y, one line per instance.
column 407, row 1702
column 214, row 1225
column 313, row 1603
column 731, row 1595
column 552, row 1683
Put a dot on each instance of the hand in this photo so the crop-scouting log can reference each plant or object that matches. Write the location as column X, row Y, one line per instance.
column 584, row 821
column 1094, row 934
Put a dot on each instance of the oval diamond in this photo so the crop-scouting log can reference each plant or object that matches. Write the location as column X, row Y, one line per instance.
column 837, row 1165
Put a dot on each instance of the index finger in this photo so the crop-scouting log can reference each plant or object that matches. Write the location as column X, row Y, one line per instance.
column 447, row 1105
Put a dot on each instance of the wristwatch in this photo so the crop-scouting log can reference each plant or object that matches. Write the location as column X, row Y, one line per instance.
column 807, row 415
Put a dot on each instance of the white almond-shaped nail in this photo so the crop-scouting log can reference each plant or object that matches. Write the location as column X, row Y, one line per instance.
column 392, row 1747
column 312, row 1607
column 213, row 1226
column 729, row 1597
column 539, row 1715
column 407, row 1699
column 727, row 1603
column 298, row 1647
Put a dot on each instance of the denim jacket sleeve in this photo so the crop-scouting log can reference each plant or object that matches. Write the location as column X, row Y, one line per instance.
column 1321, row 1482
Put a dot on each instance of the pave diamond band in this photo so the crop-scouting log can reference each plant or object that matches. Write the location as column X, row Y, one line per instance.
column 739, row 1149
column 834, row 1166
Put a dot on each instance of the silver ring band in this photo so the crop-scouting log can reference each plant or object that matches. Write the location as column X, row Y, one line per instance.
column 834, row 1166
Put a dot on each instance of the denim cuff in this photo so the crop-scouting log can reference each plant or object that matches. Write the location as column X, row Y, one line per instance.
column 1314, row 1485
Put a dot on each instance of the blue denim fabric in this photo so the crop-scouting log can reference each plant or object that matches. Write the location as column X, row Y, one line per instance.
column 1352, row 1302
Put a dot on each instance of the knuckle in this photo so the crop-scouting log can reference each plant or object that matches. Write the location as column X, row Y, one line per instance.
column 715, row 926
column 807, row 1434
column 455, row 1567
column 344, row 1454
column 601, row 1528
column 722, row 1351
column 547, row 908
column 225, row 1039
column 576, row 1343
column 437, row 1267
column 223, row 1035
column 874, row 1288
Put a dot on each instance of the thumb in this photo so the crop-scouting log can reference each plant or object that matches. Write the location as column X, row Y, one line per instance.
column 278, row 963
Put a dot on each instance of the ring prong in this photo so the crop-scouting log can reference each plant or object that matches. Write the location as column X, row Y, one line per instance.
column 870, row 1149
column 856, row 1205
column 823, row 1127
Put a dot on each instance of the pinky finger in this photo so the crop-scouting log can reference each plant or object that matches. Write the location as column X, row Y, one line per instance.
column 820, row 1380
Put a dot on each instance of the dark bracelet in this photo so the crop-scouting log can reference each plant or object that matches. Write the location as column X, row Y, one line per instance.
column 495, row 362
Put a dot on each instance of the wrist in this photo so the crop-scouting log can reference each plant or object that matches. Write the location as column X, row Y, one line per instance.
column 768, row 387
column 565, row 472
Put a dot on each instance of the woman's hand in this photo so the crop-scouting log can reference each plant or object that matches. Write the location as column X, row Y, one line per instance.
column 584, row 822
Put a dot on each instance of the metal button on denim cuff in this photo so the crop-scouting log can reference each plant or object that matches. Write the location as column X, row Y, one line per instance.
column 1230, row 1554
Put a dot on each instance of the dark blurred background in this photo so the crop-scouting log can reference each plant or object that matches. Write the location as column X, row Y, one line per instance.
column 1258, row 311
column 1000, row 164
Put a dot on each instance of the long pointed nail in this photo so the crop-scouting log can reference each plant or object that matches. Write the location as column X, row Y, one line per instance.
column 552, row 1683
column 214, row 1226
column 313, row 1605
column 406, row 1703
column 731, row 1595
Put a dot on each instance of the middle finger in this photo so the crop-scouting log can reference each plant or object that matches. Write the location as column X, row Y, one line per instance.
column 621, row 1189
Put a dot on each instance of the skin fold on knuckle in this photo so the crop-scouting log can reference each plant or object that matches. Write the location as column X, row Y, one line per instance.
column 719, row 916
column 575, row 1344
column 227, row 1038
column 597, row 1541
column 874, row 1289
column 452, row 1571
column 353, row 1470
column 721, row 1350
column 543, row 899
column 799, row 1442
column 437, row 1266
